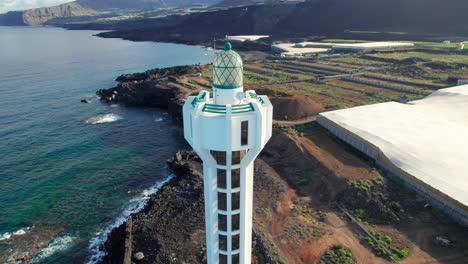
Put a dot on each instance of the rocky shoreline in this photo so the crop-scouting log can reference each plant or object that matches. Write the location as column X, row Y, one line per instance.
column 170, row 228
column 153, row 88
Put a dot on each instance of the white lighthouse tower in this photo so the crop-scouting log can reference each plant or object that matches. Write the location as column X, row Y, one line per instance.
column 228, row 128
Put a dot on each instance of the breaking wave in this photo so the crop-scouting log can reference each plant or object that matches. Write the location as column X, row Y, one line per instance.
column 106, row 118
column 19, row 232
column 136, row 204
column 58, row 244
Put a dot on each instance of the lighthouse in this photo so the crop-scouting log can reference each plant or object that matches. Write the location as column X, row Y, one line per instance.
column 228, row 128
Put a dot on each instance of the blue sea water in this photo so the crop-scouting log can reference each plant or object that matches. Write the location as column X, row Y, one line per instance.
column 57, row 170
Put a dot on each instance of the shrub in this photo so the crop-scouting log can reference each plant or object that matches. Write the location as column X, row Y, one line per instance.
column 337, row 255
column 282, row 261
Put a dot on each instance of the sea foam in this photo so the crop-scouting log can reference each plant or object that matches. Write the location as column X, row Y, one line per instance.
column 19, row 232
column 58, row 244
column 136, row 204
column 106, row 118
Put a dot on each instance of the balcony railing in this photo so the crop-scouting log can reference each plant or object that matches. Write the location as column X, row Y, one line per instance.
column 222, row 109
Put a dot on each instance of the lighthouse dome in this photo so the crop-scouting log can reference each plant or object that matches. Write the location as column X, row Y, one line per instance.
column 227, row 69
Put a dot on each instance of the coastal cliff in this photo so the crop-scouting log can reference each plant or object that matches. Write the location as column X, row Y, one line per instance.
column 162, row 88
column 170, row 229
column 38, row 16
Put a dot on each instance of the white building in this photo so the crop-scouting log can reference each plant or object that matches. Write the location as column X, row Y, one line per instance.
column 228, row 128
column 423, row 142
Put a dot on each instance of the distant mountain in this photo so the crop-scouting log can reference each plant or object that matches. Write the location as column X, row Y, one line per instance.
column 38, row 16
column 310, row 18
column 141, row 4
column 122, row 4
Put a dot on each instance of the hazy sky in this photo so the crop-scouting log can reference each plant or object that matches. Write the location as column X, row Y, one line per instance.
column 11, row 5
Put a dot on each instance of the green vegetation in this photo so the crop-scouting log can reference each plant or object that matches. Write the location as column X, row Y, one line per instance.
column 387, row 242
column 452, row 58
column 337, row 255
column 317, row 233
column 305, row 211
column 358, row 60
column 294, row 130
column 282, row 261
column 346, row 40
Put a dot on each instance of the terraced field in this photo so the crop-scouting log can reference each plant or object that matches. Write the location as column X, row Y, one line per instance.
column 354, row 80
column 452, row 58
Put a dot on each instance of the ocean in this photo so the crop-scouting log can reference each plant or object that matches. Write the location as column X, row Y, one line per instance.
column 69, row 171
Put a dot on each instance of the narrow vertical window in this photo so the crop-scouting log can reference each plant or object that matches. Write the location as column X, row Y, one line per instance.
column 235, row 178
column 222, row 259
column 235, row 222
column 223, row 242
column 235, row 201
column 235, row 259
column 221, row 178
column 235, row 242
column 222, row 201
column 222, row 222
column 244, row 133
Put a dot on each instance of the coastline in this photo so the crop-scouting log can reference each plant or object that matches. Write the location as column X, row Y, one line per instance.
column 170, row 220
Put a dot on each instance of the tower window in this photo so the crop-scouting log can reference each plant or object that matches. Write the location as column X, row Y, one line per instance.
column 235, row 222
column 223, row 242
column 222, row 259
column 235, row 259
column 235, row 178
column 235, row 242
column 237, row 156
column 222, row 222
column 235, row 201
column 222, row 201
column 221, row 178
column 244, row 133
column 219, row 156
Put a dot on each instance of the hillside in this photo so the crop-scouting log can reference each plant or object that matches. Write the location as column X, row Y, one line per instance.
column 123, row 4
column 314, row 17
column 38, row 16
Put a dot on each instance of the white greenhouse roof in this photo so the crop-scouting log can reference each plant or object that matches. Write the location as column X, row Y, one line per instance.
column 426, row 138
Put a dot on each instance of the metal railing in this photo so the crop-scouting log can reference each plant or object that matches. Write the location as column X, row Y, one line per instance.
column 222, row 109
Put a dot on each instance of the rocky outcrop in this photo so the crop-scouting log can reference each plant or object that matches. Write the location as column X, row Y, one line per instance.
column 39, row 16
column 155, row 88
column 171, row 227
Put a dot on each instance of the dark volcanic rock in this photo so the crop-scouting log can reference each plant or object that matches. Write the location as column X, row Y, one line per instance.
column 157, row 73
column 439, row 65
column 171, row 227
column 151, row 88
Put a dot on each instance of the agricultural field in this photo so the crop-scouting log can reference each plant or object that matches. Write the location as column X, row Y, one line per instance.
column 441, row 57
column 356, row 79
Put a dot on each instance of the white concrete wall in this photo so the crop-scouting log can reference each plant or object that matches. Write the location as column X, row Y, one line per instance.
column 206, row 131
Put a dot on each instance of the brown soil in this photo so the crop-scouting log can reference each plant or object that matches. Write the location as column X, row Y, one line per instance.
column 294, row 107
column 316, row 165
